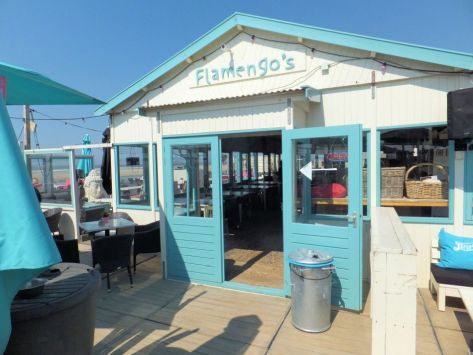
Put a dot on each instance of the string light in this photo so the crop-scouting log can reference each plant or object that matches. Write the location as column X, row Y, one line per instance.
column 312, row 49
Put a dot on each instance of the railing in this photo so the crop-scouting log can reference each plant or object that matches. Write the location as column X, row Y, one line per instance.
column 393, row 285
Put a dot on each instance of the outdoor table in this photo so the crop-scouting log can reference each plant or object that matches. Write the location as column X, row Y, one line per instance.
column 60, row 320
column 113, row 223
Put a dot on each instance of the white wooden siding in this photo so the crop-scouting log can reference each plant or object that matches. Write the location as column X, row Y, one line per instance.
column 401, row 97
column 212, row 118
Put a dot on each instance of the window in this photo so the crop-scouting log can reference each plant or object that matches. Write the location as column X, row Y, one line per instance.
column 192, row 176
column 468, row 191
column 225, row 168
column 414, row 169
column 244, row 166
column 236, row 167
column 266, row 164
column 133, row 175
column 50, row 174
column 321, row 181
column 260, row 165
column 253, row 166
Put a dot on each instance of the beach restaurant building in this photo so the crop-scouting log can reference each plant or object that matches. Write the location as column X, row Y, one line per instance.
column 264, row 136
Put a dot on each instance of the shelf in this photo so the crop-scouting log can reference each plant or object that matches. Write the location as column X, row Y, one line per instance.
column 400, row 202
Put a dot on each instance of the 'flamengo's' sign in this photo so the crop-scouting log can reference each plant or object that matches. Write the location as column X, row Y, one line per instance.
column 281, row 63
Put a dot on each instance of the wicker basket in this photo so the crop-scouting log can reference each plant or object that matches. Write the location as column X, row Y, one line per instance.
column 392, row 182
column 420, row 189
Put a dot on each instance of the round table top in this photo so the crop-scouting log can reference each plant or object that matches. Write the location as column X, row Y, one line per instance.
column 63, row 289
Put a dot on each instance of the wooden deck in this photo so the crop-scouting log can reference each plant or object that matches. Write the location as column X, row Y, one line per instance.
column 166, row 317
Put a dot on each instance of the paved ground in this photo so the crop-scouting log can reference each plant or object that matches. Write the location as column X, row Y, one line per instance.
column 165, row 317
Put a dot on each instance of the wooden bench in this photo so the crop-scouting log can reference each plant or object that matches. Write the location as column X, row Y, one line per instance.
column 460, row 287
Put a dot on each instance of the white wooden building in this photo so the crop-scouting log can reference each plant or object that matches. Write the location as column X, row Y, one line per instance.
column 345, row 106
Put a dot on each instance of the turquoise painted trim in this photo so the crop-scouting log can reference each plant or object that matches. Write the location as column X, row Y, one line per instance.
column 451, row 178
column 468, row 186
column 345, row 242
column 227, row 133
column 181, row 230
column 371, row 44
column 155, row 175
column 117, row 178
column 378, row 168
column 368, row 175
column 134, row 207
column 44, row 151
column 412, row 125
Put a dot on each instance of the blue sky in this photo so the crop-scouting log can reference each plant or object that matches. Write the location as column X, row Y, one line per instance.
column 100, row 47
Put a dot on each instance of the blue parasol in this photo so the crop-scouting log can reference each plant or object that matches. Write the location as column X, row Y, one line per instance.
column 85, row 164
column 26, row 246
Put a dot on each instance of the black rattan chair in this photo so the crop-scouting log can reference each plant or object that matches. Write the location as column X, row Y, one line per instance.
column 69, row 250
column 147, row 240
column 53, row 216
column 111, row 253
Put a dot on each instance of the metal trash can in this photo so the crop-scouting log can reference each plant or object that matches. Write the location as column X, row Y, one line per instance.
column 311, row 283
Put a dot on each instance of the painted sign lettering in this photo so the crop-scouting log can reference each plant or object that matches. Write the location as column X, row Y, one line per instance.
column 264, row 67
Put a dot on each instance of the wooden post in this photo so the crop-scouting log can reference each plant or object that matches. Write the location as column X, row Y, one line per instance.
column 27, row 132
column 27, row 135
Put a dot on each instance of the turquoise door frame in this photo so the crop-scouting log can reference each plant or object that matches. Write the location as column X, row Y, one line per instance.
column 193, row 244
column 344, row 243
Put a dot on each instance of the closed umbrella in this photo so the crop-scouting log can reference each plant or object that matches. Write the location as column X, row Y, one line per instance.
column 106, row 168
column 85, row 164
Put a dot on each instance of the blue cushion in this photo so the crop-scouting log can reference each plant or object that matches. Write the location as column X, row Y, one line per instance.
column 455, row 252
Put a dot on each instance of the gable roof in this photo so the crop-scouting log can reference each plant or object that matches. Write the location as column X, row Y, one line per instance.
column 404, row 50
column 26, row 87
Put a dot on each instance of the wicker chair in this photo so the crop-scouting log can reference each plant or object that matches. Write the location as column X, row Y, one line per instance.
column 53, row 215
column 147, row 240
column 112, row 253
column 69, row 250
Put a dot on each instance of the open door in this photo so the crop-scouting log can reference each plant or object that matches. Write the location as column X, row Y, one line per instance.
column 192, row 209
column 322, row 203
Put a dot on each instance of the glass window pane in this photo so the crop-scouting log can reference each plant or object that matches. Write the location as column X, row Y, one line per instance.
column 225, row 168
column 321, row 177
column 244, row 166
column 133, row 172
column 253, row 166
column 192, row 176
column 266, row 164
column 414, row 171
column 260, row 163
column 236, row 167
column 50, row 174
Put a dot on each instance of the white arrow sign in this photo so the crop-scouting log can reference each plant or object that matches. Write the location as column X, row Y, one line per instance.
column 307, row 170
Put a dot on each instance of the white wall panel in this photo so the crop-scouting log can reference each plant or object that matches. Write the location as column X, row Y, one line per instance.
column 218, row 118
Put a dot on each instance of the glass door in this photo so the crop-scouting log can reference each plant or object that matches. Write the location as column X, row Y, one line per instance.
column 193, row 233
column 322, row 202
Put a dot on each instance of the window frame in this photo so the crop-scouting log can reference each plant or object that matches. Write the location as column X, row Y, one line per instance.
column 155, row 176
column 72, row 162
column 368, row 173
column 116, row 148
column 451, row 174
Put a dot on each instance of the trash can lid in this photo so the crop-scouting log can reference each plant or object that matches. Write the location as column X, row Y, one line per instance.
column 310, row 258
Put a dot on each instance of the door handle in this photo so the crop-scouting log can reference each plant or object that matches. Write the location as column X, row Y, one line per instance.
column 353, row 218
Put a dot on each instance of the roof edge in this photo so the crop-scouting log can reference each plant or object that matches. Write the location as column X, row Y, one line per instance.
column 383, row 46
